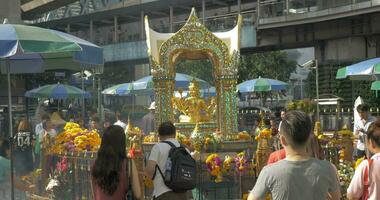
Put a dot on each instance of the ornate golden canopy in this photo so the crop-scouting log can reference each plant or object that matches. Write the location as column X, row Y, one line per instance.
column 195, row 41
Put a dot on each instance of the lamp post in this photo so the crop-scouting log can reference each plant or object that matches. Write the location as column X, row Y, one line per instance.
column 317, row 87
column 313, row 64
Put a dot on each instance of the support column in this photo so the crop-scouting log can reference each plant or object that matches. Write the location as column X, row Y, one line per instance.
column 258, row 12
column 203, row 11
column 287, row 7
column 239, row 6
column 171, row 19
column 91, row 30
column 115, row 30
column 142, row 31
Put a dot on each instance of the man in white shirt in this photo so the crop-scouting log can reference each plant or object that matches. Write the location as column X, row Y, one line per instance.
column 120, row 121
column 361, row 128
column 158, row 156
column 39, row 133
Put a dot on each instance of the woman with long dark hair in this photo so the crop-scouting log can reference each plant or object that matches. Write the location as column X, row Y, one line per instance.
column 110, row 171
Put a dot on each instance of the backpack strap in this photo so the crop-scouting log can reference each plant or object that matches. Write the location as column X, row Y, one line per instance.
column 366, row 180
column 169, row 143
column 158, row 167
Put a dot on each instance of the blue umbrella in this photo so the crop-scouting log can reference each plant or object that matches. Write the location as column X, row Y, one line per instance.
column 365, row 70
column 209, row 92
column 57, row 91
column 181, row 81
column 123, row 89
column 261, row 85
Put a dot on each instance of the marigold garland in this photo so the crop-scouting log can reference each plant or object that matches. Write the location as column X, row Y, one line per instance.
column 264, row 134
column 241, row 162
column 75, row 139
column 214, row 166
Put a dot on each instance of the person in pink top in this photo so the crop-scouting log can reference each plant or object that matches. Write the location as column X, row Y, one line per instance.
column 110, row 171
column 357, row 188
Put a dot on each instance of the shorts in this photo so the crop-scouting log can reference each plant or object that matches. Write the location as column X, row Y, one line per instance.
column 171, row 196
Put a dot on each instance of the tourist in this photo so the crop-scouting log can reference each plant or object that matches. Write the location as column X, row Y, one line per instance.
column 5, row 175
column 94, row 124
column 23, row 142
column 357, row 188
column 147, row 122
column 120, row 120
column 360, row 129
column 282, row 115
column 110, row 174
column 39, row 133
column 158, row 157
column 298, row 176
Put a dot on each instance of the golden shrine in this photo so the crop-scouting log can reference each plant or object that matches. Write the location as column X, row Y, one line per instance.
column 194, row 41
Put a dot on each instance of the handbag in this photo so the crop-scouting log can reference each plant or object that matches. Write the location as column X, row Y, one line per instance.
column 366, row 180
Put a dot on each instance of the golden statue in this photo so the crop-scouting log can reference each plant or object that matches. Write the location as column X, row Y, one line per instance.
column 194, row 109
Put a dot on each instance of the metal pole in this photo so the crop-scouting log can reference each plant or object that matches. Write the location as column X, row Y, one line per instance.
column 100, row 112
column 91, row 30
column 115, row 38
column 171, row 19
column 83, row 105
column 239, row 6
column 258, row 12
column 203, row 11
column 10, row 124
column 317, row 86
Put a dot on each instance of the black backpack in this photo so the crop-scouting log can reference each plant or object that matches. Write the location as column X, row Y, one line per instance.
column 182, row 176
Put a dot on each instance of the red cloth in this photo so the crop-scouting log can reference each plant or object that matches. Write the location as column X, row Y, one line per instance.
column 121, row 191
column 276, row 156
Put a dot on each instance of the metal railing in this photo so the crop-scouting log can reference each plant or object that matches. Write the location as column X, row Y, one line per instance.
column 276, row 8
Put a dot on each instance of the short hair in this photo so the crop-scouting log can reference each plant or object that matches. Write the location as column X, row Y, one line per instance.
column 374, row 132
column 296, row 127
column 166, row 129
column 362, row 108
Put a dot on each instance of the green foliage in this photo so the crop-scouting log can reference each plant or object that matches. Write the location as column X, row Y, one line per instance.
column 274, row 64
column 202, row 69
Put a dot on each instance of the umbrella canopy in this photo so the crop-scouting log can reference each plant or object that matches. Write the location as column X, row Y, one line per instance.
column 58, row 91
column 365, row 70
column 209, row 92
column 24, row 46
column 375, row 85
column 44, row 49
column 123, row 89
column 261, row 85
column 181, row 81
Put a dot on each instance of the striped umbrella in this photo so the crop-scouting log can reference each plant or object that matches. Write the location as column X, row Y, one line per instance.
column 28, row 49
column 58, row 91
column 123, row 89
column 261, row 85
column 365, row 70
column 181, row 81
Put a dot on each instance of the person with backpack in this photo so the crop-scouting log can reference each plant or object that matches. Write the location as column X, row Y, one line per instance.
column 110, row 175
column 366, row 181
column 170, row 166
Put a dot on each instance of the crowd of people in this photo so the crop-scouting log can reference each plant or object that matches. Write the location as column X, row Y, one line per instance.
column 295, row 171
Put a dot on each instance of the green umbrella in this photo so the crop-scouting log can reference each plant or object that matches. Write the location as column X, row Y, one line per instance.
column 375, row 85
column 23, row 47
column 58, row 91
